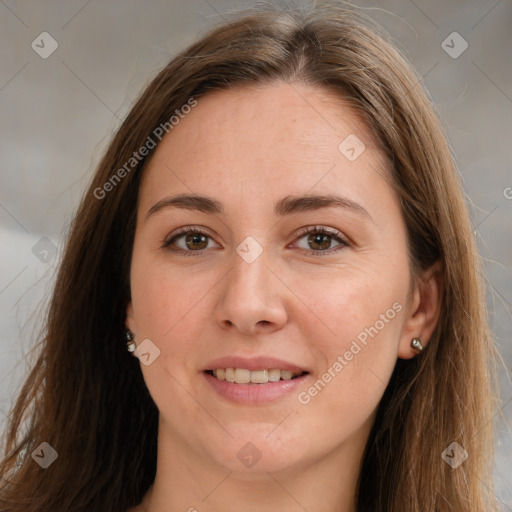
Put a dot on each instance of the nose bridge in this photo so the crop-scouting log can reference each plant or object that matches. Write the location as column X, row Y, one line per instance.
column 248, row 275
column 250, row 278
column 250, row 297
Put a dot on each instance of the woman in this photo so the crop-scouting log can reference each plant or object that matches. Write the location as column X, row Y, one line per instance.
column 278, row 234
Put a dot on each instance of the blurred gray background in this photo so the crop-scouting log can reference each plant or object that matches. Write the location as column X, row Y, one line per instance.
column 58, row 111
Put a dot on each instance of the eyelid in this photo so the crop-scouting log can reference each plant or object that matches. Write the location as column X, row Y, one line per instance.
column 306, row 230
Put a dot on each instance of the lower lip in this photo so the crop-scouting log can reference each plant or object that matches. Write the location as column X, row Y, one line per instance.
column 254, row 393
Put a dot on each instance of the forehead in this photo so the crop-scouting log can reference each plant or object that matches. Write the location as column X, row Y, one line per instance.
column 265, row 140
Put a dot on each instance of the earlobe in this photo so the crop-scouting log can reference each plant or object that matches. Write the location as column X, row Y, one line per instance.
column 423, row 314
column 130, row 329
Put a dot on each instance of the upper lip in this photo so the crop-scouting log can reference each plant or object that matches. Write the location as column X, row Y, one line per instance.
column 253, row 363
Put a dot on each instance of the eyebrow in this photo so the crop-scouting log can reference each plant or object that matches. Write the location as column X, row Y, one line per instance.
column 286, row 206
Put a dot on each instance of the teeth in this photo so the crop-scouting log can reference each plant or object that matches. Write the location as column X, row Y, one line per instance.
column 274, row 375
column 259, row 376
column 244, row 376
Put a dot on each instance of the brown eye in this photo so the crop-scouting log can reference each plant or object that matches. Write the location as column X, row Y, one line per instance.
column 319, row 242
column 189, row 241
column 196, row 241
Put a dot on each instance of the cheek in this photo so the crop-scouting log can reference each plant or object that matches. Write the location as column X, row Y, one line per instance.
column 172, row 308
column 350, row 304
column 355, row 337
column 164, row 299
column 167, row 310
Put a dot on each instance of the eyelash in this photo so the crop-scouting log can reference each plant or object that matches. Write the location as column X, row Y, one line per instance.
column 310, row 230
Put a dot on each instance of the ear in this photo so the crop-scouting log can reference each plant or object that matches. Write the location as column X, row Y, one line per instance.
column 130, row 320
column 424, row 310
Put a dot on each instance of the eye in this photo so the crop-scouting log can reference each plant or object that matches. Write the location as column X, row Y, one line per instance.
column 189, row 240
column 319, row 239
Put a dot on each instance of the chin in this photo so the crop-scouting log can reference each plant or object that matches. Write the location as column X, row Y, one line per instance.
column 253, row 456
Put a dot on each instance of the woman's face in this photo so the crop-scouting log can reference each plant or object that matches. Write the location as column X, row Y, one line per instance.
column 298, row 264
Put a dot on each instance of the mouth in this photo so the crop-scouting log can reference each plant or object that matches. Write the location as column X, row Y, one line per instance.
column 254, row 380
column 257, row 377
column 257, row 381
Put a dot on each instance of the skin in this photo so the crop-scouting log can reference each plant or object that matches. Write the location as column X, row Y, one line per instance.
column 248, row 148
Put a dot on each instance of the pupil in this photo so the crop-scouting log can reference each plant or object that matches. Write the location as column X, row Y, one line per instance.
column 322, row 241
column 195, row 240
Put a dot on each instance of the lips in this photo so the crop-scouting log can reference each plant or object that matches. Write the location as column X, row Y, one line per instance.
column 255, row 363
column 254, row 380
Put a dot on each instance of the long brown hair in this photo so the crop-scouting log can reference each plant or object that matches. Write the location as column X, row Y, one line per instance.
column 86, row 396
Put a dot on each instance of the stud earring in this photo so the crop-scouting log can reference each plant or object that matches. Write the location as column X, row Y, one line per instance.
column 130, row 345
column 416, row 344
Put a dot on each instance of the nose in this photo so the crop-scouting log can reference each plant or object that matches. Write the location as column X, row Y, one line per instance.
column 251, row 298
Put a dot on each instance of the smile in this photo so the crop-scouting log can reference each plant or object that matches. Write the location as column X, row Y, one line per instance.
column 246, row 376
